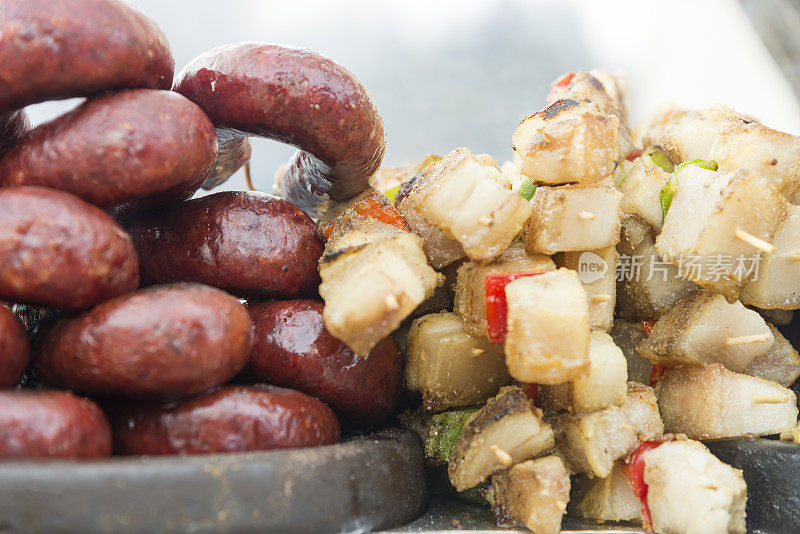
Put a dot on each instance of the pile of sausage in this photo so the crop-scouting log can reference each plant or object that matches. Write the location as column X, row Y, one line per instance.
column 141, row 291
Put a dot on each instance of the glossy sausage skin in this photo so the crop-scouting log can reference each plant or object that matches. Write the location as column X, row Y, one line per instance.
column 14, row 349
column 165, row 342
column 60, row 252
column 298, row 97
column 294, row 349
column 119, row 147
column 13, row 127
column 51, row 424
column 231, row 419
column 51, row 50
column 250, row 244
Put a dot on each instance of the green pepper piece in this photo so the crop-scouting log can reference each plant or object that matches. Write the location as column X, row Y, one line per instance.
column 710, row 165
column 527, row 189
column 669, row 189
column 655, row 156
column 392, row 193
column 443, row 433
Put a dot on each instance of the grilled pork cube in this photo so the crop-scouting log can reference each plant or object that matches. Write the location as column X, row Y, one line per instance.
column 468, row 199
column 533, row 494
column 778, row 282
column 450, row 367
column 573, row 218
column 686, row 135
column 470, row 293
column 641, row 409
column 774, row 155
column 605, row 499
column 591, row 443
column 709, row 401
column 597, row 270
column 646, row 286
column 641, row 189
column 371, row 281
column 780, row 364
column 690, row 491
column 547, row 340
column 506, row 431
column 388, row 178
column 627, row 336
column 705, row 327
column 603, row 385
column 716, row 218
column 569, row 141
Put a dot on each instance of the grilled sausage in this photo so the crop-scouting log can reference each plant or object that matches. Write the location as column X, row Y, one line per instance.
column 51, row 424
column 61, row 252
column 231, row 419
column 294, row 349
column 13, row 127
column 51, row 50
column 250, row 244
column 297, row 97
column 14, row 350
column 163, row 342
column 144, row 144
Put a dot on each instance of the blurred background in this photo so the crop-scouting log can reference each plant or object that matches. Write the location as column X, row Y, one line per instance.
column 449, row 73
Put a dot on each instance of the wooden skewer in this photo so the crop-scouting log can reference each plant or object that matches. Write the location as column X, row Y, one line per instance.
column 750, row 239
column 502, row 456
column 601, row 297
column 392, row 302
column 477, row 352
column 771, row 399
column 247, row 178
column 746, row 340
column 586, row 215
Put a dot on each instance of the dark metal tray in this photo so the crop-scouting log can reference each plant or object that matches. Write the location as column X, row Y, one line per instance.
column 367, row 483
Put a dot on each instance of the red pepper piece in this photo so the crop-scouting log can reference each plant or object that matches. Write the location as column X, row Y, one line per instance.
column 648, row 326
column 634, row 471
column 374, row 208
column 565, row 80
column 494, row 286
column 655, row 373
column 532, row 392
column 633, row 155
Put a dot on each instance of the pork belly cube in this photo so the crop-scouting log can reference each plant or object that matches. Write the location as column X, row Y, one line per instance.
column 597, row 270
column 370, row 288
column 568, row 142
column 686, row 134
column 591, row 443
column 532, row 494
column 506, row 431
column 774, row 155
column 605, row 499
column 469, row 200
column 709, row 221
column 641, row 410
column 778, row 282
column 547, row 340
column 627, row 335
column 450, row 367
column 705, row 327
column 641, row 188
column 603, row 385
column 646, row 285
column 690, row 490
column 781, row 364
column 470, row 292
column 573, row 218
column 709, row 401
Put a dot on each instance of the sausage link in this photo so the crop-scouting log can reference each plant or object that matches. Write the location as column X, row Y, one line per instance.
column 51, row 50
column 145, row 144
column 231, row 419
column 165, row 342
column 14, row 349
column 60, row 252
column 298, row 97
column 51, row 424
column 250, row 244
